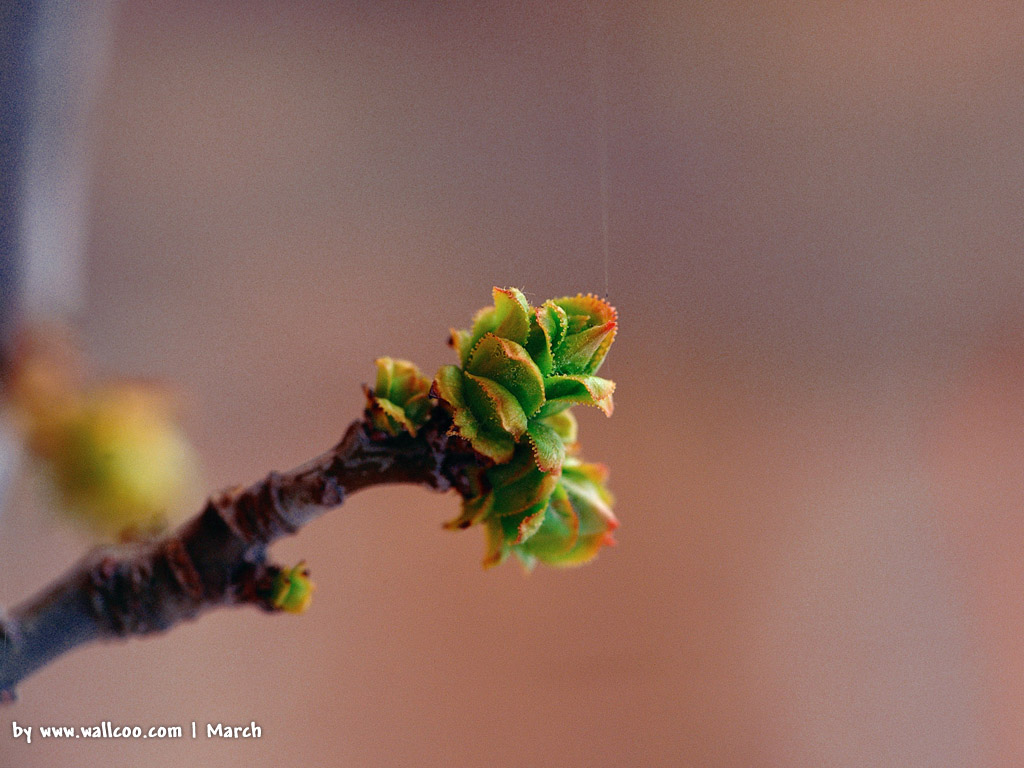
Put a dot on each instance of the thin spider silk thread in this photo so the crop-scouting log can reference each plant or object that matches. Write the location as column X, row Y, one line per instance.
column 598, row 75
column 596, row 45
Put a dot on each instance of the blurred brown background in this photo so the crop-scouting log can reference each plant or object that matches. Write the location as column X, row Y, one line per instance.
column 815, row 248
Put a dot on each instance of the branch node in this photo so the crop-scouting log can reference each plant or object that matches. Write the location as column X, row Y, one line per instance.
column 256, row 515
column 117, row 595
column 332, row 494
column 183, row 570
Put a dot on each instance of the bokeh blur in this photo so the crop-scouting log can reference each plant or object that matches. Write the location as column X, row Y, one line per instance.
column 814, row 244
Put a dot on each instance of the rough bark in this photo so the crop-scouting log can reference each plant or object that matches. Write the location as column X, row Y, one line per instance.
column 219, row 557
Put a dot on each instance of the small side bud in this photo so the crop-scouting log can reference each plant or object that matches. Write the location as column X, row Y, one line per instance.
column 399, row 401
column 292, row 590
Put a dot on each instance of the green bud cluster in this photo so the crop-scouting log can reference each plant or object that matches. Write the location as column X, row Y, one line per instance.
column 521, row 369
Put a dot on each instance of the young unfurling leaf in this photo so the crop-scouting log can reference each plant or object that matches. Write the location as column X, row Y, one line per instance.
column 521, row 370
column 521, row 364
column 398, row 401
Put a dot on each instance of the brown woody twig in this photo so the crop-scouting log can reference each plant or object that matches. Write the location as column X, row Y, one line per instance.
column 219, row 557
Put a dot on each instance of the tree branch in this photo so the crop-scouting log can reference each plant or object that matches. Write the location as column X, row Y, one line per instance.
column 219, row 557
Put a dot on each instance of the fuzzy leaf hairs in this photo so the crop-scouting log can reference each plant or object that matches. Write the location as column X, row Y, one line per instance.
column 521, row 365
column 521, row 371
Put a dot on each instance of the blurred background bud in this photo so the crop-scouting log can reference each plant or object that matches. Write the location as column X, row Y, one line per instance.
column 113, row 454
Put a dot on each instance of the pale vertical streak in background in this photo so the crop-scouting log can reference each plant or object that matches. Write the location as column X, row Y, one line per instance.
column 69, row 43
